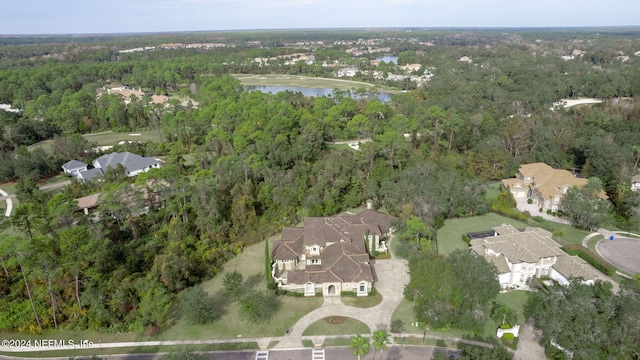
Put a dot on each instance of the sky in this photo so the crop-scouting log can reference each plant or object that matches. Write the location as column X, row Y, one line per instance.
column 126, row 16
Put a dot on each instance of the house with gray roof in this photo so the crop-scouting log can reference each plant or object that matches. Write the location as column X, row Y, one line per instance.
column 330, row 255
column 131, row 163
column 74, row 167
column 520, row 255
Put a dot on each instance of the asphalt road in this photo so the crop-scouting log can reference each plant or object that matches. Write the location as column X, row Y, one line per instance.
column 621, row 252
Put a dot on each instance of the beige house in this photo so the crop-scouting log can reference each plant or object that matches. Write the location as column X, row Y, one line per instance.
column 543, row 184
column 330, row 255
column 520, row 256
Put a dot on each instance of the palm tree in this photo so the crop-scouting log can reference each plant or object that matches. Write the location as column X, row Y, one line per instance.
column 380, row 340
column 359, row 346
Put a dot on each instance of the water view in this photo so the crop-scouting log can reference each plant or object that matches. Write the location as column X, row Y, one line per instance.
column 308, row 91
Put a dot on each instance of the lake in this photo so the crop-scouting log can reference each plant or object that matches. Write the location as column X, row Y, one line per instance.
column 307, row 91
column 388, row 59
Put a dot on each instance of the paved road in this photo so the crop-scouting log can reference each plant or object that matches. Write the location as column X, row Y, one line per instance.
column 6, row 197
column 529, row 344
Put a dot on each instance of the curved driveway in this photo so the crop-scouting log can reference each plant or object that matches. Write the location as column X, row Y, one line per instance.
column 392, row 275
column 7, row 198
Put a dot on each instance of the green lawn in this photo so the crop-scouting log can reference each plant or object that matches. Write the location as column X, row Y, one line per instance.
column 108, row 138
column 299, row 81
column 513, row 299
column 251, row 264
column 348, row 327
column 362, row 301
column 493, row 190
column 450, row 235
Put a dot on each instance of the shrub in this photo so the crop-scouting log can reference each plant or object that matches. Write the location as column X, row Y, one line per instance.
column 233, row 285
column 466, row 238
column 529, row 201
column 549, row 211
column 593, row 259
column 558, row 233
column 197, row 307
column 258, row 307
column 507, row 336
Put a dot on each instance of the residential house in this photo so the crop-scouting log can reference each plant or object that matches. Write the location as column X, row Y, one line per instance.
column 347, row 72
column 74, row 167
column 133, row 165
column 531, row 253
column 635, row 183
column 330, row 255
column 544, row 185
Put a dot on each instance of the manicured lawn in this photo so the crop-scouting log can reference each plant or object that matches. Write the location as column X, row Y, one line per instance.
column 403, row 316
column 251, row 264
column 564, row 234
column 493, row 190
column 450, row 235
column 514, row 300
column 299, row 81
column 107, row 138
column 362, row 301
column 325, row 327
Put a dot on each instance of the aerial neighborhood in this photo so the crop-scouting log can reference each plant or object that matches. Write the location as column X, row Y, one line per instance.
column 398, row 193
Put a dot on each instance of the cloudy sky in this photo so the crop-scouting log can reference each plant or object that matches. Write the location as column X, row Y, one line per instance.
column 118, row 16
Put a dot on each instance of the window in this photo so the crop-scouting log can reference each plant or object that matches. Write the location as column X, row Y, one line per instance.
column 315, row 261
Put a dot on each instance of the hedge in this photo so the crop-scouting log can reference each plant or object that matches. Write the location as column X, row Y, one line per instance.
column 590, row 257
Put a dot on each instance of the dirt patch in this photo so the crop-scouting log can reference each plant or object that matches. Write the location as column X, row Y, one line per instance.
column 335, row 320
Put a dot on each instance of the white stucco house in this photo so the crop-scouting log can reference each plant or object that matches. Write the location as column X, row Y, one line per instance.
column 521, row 255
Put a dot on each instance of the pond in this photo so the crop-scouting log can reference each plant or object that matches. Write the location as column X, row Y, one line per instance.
column 387, row 59
column 308, row 91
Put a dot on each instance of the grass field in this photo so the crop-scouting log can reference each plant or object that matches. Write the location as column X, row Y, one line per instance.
column 251, row 264
column 513, row 299
column 362, row 301
column 299, row 81
column 108, row 138
column 348, row 327
column 450, row 235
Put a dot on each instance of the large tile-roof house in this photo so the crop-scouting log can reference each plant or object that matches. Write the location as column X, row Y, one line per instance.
column 330, row 254
column 133, row 165
column 520, row 256
column 543, row 184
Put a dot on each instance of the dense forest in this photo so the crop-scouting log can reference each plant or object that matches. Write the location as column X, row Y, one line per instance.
column 241, row 165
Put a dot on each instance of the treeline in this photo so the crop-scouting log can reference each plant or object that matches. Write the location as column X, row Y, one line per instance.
column 242, row 165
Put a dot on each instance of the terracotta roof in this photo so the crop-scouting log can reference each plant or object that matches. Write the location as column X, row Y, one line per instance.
column 88, row 202
column 550, row 182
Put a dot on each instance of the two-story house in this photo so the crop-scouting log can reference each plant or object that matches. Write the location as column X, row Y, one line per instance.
column 544, row 185
column 330, row 255
column 531, row 253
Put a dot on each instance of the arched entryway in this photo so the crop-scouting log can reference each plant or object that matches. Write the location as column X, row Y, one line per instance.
column 331, row 290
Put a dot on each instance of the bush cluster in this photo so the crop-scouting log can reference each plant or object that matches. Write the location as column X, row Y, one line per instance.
column 593, row 259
